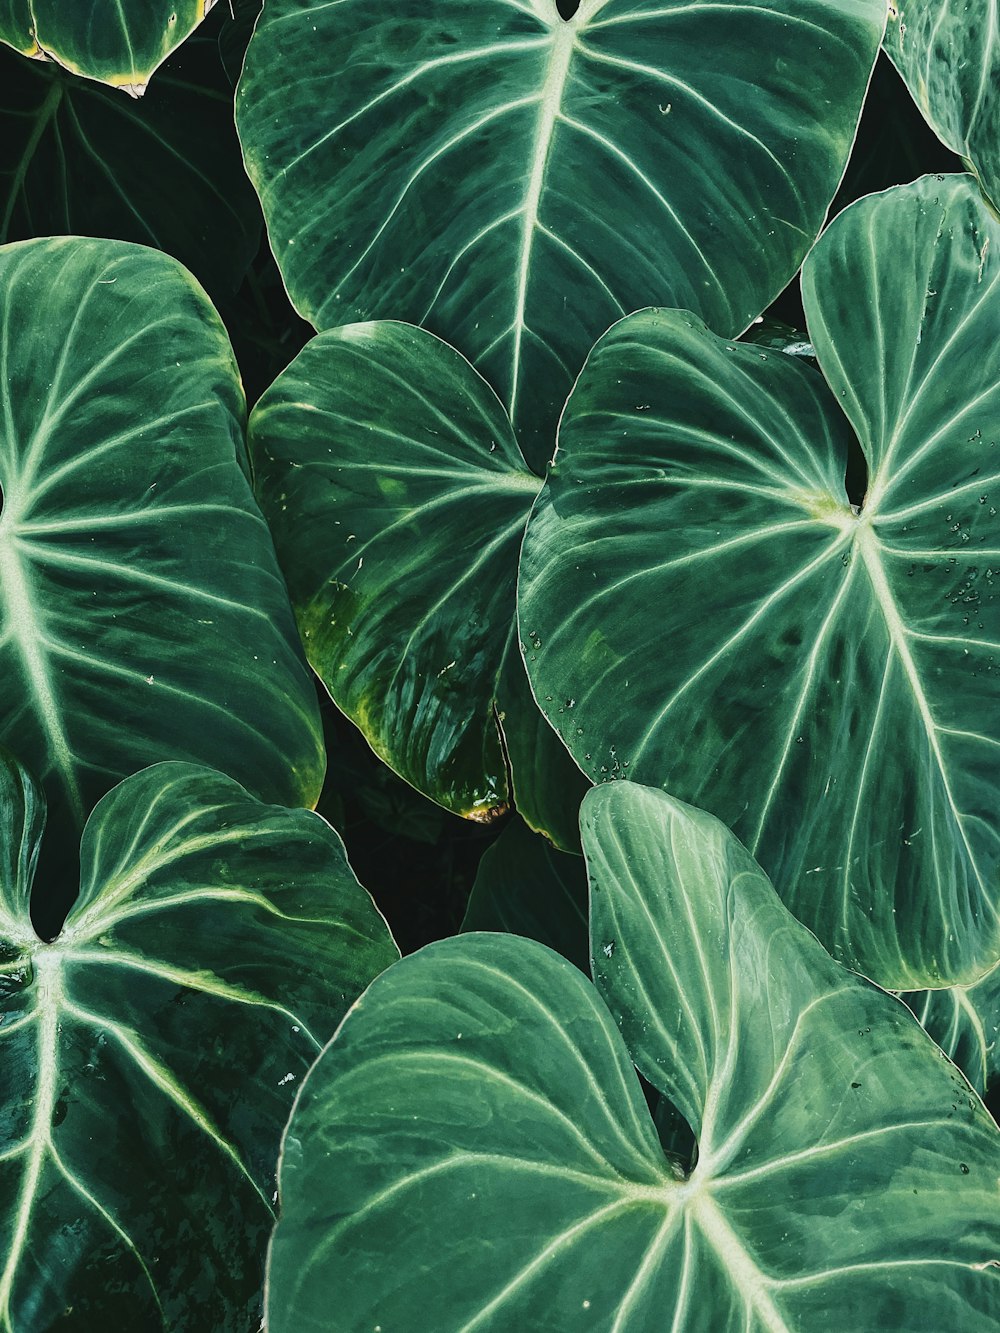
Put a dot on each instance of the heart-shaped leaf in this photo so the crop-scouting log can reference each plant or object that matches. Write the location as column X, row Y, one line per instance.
column 846, row 1173
column 826, row 681
column 142, row 613
column 117, row 44
column 152, row 1051
column 516, row 182
column 397, row 497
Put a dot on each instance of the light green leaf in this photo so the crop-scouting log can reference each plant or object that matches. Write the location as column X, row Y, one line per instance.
column 731, row 630
column 525, row 887
column 142, row 613
column 846, row 1174
column 79, row 159
column 965, row 1023
column 117, row 44
column 397, row 497
column 948, row 53
column 516, row 182
column 152, row 1051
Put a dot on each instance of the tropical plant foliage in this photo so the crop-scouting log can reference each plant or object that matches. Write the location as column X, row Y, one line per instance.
column 608, row 565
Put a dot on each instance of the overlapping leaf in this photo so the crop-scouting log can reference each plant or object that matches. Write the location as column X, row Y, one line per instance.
column 965, row 1023
column 397, row 497
column 516, row 182
column 117, row 44
column 80, row 159
column 825, row 681
column 151, row 1052
column 948, row 52
column 142, row 613
column 548, row 786
column 518, row 1183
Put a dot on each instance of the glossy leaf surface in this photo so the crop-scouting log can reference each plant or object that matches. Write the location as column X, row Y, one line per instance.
column 142, row 613
column 519, row 1184
column 79, row 159
column 948, row 52
column 397, row 497
column 151, row 1052
column 826, row 682
column 517, row 182
column 117, row 44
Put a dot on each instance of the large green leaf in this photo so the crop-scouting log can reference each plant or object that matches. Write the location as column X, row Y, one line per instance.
column 474, row 1143
column 824, row 681
column 151, row 1052
column 397, row 497
column 965, row 1023
column 80, row 159
column 517, row 182
column 142, row 613
column 118, row 44
column 948, row 52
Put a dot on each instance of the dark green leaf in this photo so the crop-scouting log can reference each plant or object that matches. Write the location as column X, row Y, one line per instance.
column 397, row 498
column 526, row 887
column 80, row 159
column 142, row 613
column 516, row 182
column 152, row 1051
column 825, row 681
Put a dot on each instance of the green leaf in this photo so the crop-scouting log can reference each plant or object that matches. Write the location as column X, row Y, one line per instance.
column 965, row 1023
column 16, row 27
column 80, row 159
column 548, row 786
column 525, row 887
column 142, row 613
column 152, row 1050
column 949, row 56
column 824, row 681
column 397, row 498
column 120, row 45
column 846, row 1174
column 516, row 182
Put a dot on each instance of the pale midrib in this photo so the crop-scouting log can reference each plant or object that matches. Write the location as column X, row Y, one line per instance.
column 49, row 994
column 868, row 545
column 752, row 1284
column 563, row 42
column 26, row 633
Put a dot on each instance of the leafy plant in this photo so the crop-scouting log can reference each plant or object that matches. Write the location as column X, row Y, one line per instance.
column 504, row 1104
column 817, row 654
column 159, row 1039
column 642, row 432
